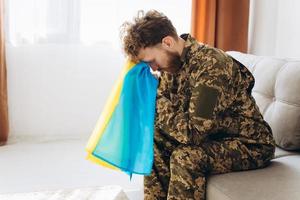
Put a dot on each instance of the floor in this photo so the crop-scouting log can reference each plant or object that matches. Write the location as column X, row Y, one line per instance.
column 54, row 163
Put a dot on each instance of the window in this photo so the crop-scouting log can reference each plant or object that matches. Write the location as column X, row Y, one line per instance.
column 82, row 21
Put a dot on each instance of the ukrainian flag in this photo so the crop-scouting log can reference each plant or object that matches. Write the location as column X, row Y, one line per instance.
column 123, row 136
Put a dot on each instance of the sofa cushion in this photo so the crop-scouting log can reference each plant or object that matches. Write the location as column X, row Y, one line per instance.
column 281, row 177
column 277, row 94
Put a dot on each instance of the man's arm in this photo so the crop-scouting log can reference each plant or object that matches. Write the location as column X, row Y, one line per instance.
column 212, row 93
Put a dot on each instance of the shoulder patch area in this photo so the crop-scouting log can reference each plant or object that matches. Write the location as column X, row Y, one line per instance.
column 205, row 101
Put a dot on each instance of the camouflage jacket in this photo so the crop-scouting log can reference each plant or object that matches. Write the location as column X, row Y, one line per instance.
column 209, row 98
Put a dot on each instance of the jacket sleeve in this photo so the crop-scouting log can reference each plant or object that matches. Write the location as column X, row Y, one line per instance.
column 191, row 118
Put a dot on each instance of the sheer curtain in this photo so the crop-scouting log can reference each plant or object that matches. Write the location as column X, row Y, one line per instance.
column 82, row 21
column 42, row 21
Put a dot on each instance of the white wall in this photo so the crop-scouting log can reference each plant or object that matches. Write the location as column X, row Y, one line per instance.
column 274, row 28
column 59, row 89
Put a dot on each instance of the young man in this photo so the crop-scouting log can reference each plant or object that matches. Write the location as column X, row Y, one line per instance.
column 207, row 121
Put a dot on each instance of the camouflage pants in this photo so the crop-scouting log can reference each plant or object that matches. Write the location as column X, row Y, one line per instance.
column 180, row 171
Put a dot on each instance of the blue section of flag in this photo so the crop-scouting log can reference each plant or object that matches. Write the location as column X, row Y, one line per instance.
column 127, row 141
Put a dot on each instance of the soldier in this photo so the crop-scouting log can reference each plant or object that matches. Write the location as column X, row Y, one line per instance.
column 207, row 121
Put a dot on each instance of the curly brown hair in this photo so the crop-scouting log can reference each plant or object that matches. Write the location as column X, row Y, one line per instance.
column 147, row 30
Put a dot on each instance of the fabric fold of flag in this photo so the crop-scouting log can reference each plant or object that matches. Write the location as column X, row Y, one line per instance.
column 123, row 136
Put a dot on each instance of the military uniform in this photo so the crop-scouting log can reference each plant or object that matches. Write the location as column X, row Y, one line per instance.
column 207, row 122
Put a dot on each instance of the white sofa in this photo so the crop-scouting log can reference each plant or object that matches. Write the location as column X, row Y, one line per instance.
column 277, row 93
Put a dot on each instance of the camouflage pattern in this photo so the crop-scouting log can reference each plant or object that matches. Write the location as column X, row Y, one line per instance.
column 207, row 122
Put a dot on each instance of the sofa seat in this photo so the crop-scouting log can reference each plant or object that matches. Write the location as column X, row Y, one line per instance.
column 279, row 181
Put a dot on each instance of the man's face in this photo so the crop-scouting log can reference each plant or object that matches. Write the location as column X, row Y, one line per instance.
column 160, row 59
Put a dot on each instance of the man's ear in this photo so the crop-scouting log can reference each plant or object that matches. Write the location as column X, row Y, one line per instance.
column 168, row 42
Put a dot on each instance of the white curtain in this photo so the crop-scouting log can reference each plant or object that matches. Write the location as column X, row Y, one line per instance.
column 42, row 21
column 82, row 21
